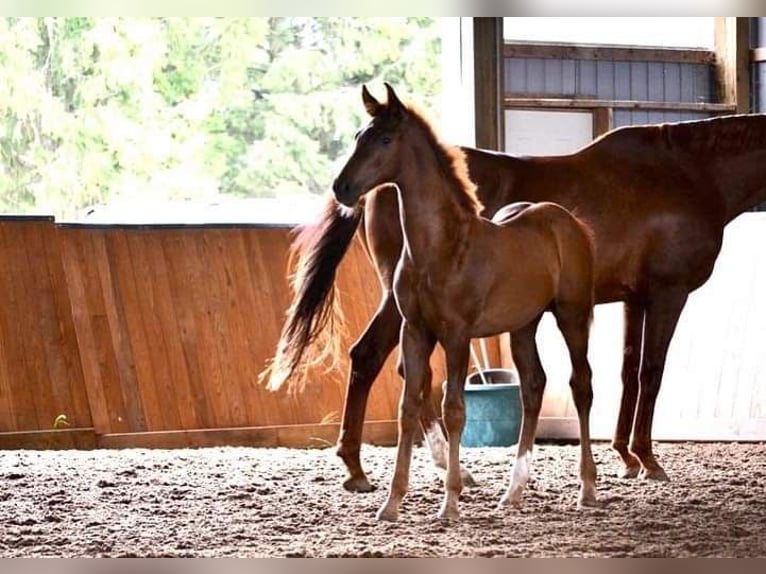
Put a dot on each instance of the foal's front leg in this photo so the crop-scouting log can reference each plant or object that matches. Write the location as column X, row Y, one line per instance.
column 416, row 348
column 453, row 409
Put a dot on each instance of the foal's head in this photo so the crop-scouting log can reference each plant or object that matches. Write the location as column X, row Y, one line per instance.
column 382, row 149
column 376, row 156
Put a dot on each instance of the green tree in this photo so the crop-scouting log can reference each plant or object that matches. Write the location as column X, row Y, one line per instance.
column 97, row 109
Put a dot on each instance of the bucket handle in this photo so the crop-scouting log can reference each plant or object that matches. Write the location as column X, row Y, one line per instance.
column 476, row 362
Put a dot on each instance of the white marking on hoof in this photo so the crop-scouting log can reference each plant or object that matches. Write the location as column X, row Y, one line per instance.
column 387, row 513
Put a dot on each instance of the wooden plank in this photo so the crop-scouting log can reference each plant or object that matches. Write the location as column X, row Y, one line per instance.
column 143, row 331
column 15, row 319
column 267, row 270
column 487, row 67
column 160, row 319
column 563, row 51
column 8, row 397
column 41, row 326
column 74, row 244
column 566, row 103
column 733, row 56
column 63, row 439
column 290, row 436
column 188, row 299
column 254, row 342
column 68, row 379
column 602, row 121
column 226, row 312
column 116, row 275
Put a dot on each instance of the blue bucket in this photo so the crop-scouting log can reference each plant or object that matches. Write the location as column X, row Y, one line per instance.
column 493, row 410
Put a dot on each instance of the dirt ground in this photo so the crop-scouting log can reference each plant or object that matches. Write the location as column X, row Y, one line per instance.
column 289, row 503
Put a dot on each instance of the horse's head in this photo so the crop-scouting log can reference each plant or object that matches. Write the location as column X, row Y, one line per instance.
column 375, row 159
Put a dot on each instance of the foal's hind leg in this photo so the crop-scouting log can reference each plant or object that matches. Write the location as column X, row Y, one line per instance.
column 575, row 326
column 434, row 435
column 368, row 355
column 453, row 410
column 532, row 382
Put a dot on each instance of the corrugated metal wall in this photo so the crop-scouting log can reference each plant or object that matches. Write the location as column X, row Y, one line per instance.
column 610, row 80
column 615, row 80
column 758, row 73
column 758, row 40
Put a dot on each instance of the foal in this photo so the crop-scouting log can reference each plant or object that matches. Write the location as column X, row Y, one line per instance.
column 461, row 277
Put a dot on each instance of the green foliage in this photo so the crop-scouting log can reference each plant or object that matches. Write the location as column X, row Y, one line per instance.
column 95, row 109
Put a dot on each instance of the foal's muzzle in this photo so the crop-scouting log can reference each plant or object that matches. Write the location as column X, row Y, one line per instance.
column 344, row 192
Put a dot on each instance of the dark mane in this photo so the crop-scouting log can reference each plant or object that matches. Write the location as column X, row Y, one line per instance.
column 453, row 163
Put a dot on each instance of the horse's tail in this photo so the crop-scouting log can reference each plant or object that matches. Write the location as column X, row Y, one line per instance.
column 314, row 315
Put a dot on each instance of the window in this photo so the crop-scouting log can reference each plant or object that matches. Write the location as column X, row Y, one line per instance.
column 678, row 32
column 196, row 119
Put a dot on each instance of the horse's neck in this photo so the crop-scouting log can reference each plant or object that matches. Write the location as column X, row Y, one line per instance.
column 742, row 185
column 432, row 219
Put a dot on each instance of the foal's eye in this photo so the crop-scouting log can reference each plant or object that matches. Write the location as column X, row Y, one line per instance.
column 385, row 140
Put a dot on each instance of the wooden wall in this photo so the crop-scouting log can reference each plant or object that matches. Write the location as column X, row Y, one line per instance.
column 155, row 336
column 40, row 370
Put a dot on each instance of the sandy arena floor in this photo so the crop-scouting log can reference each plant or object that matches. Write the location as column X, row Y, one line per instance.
column 280, row 502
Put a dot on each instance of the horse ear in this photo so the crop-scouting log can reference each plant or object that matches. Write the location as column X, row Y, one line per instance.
column 370, row 103
column 394, row 103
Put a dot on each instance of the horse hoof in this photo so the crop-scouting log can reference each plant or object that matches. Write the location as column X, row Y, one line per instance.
column 589, row 503
column 448, row 515
column 386, row 514
column 629, row 472
column 358, row 484
column 467, row 478
column 509, row 502
column 656, row 473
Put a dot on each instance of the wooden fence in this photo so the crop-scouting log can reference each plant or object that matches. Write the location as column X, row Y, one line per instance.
column 154, row 336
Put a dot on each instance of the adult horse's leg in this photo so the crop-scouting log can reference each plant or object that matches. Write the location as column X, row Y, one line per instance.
column 631, row 362
column 453, row 411
column 417, row 346
column 368, row 355
column 662, row 313
column 575, row 326
column 532, row 381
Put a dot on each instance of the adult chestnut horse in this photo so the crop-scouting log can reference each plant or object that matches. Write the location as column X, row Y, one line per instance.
column 657, row 198
column 461, row 276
